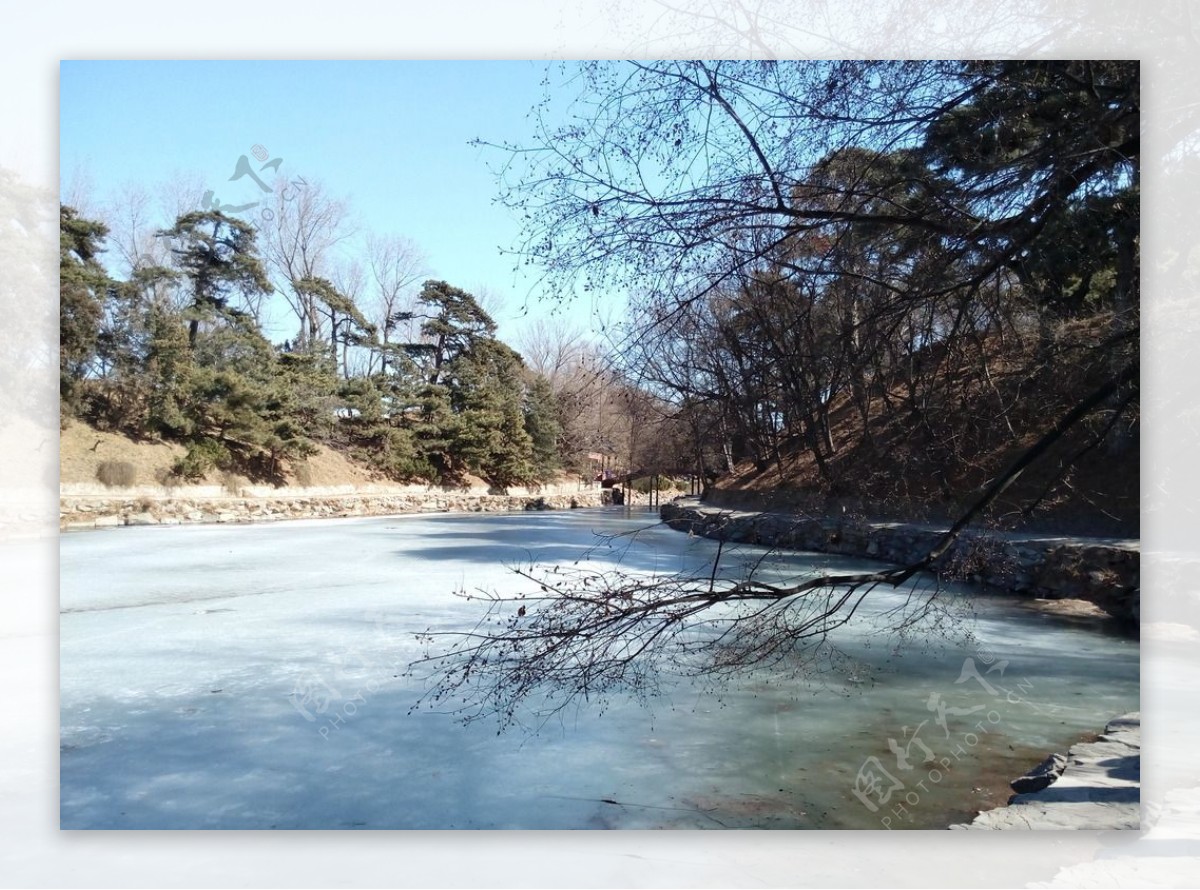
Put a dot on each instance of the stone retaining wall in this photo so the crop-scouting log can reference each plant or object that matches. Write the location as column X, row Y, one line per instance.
column 1100, row 788
column 109, row 512
column 1100, row 570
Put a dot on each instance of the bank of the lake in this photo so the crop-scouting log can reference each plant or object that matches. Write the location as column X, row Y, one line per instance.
column 1098, row 786
column 1065, row 571
column 330, row 486
column 209, row 504
column 1097, row 783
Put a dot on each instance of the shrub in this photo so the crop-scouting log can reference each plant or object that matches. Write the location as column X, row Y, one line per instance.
column 167, row 478
column 116, row 473
column 201, row 457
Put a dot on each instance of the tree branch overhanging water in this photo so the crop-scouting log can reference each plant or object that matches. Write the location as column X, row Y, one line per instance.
column 580, row 635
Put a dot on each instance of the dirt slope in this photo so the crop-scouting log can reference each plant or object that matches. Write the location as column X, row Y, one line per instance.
column 84, row 448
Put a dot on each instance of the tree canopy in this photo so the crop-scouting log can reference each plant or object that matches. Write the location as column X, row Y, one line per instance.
column 177, row 350
column 674, row 177
column 799, row 237
column 929, row 266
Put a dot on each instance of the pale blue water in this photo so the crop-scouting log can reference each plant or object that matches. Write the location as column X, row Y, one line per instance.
column 252, row 677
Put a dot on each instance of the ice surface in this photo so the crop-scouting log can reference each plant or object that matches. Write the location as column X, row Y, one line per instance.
column 251, row 676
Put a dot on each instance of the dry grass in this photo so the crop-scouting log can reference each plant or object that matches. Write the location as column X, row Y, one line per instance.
column 911, row 471
column 328, row 468
column 83, row 449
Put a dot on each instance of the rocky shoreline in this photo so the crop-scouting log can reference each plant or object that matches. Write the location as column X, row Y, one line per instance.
column 79, row 512
column 1102, row 572
column 1097, row 786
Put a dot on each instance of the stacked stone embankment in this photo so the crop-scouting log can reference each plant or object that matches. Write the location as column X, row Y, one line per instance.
column 1102, row 571
column 92, row 511
column 1098, row 787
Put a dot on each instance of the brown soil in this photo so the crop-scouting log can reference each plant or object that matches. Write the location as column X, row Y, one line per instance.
column 1099, row 501
column 83, row 448
column 904, row 470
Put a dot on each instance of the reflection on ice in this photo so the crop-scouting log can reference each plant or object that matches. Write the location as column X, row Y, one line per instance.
column 254, row 677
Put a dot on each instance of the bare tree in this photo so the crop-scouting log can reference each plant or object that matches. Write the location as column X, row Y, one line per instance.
column 80, row 192
column 799, row 237
column 183, row 193
column 395, row 265
column 135, row 213
column 133, row 222
column 583, row 635
column 306, row 224
column 593, row 404
column 491, row 300
column 589, row 635
column 551, row 348
column 350, row 280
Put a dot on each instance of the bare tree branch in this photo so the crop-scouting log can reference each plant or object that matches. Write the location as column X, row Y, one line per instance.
column 585, row 635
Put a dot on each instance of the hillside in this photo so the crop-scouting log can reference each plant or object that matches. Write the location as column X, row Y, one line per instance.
column 84, row 449
column 932, row 467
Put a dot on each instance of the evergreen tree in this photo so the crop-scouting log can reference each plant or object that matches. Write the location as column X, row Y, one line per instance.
column 543, row 426
column 435, row 427
column 454, row 323
column 176, row 352
column 486, row 393
column 376, row 434
column 217, row 254
column 83, row 289
column 168, row 373
column 347, row 325
column 466, row 413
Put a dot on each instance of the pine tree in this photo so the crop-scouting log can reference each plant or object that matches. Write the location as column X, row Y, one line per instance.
column 83, row 288
column 218, row 255
column 486, row 393
column 543, row 426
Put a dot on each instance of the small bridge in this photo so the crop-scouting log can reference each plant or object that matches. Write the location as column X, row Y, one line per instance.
column 610, row 476
column 626, row 478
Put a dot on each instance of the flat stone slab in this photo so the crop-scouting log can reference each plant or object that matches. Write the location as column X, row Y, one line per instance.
column 1099, row 789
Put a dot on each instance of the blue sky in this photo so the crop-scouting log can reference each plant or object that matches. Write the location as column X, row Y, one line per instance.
column 392, row 137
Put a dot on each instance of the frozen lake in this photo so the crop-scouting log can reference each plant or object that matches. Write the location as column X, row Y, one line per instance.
column 251, row 676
